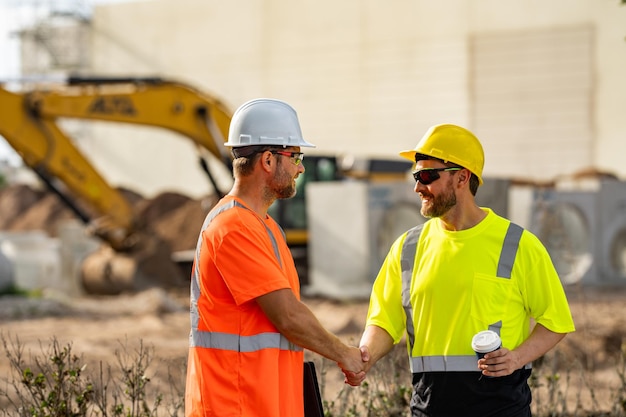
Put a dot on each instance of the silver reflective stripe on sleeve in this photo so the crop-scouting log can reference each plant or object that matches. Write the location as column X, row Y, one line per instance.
column 227, row 341
column 407, row 261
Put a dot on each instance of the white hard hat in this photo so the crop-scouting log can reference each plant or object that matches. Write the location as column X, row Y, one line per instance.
column 265, row 121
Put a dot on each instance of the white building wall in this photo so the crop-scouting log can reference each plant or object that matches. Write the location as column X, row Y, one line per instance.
column 366, row 77
column 531, row 99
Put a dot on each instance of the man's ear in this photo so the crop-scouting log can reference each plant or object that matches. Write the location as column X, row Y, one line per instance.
column 266, row 160
column 464, row 176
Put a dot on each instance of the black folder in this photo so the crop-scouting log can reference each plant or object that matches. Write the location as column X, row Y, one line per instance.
column 312, row 399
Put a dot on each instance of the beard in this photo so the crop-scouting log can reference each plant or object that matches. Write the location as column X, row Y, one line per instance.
column 441, row 204
column 284, row 185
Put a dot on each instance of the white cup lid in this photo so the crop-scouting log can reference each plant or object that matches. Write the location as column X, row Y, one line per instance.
column 486, row 341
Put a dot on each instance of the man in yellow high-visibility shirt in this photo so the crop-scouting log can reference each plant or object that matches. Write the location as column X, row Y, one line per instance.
column 464, row 271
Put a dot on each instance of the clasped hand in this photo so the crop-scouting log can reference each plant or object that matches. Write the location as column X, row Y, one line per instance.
column 356, row 368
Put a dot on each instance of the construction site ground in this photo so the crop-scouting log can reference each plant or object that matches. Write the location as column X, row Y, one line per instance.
column 98, row 327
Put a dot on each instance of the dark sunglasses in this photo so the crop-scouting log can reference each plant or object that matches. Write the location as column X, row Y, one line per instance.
column 429, row 175
column 296, row 157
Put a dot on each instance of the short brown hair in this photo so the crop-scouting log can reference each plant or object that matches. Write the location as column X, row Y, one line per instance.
column 246, row 157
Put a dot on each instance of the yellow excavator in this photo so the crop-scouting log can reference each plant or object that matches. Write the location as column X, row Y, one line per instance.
column 135, row 257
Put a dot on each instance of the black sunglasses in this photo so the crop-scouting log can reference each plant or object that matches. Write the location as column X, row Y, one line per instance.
column 429, row 175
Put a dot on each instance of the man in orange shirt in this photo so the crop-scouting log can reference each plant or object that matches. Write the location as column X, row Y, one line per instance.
column 248, row 325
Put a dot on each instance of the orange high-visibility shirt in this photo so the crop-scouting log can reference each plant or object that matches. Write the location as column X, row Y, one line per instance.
column 239, row 365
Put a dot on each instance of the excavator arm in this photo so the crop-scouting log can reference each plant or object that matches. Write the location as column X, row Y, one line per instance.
column 29, row 123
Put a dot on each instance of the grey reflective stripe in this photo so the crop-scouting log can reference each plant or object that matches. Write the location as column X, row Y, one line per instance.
column 509, row 250
column 229, row 341
column 237, row 343
column 407, row 262
column 496, row 327
column 444, row 363
column 407, row 259
column 459, row 363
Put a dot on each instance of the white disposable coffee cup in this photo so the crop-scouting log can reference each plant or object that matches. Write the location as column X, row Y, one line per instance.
column 485, row 342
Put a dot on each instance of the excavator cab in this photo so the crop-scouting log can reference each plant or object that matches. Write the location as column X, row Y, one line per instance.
column 291, row 213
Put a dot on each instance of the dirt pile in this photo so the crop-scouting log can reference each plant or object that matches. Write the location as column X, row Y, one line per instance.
column 14, row 202
column 174, row 217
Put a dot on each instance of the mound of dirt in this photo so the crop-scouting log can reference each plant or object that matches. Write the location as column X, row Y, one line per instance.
column 154, row 209
column 43, row 214
column 176, row 218
column 14, row 201
column 180, row 227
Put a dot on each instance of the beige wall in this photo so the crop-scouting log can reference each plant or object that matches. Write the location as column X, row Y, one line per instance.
column 366, row 77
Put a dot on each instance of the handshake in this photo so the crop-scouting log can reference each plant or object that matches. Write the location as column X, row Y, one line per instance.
column 355, row 365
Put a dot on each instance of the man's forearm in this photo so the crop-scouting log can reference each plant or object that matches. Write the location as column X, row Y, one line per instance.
column 378, row 343
column 296, row 322
column 540, row 341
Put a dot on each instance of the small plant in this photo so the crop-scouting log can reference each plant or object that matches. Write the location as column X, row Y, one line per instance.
column 52, row 387
column 129, row 395
column 619, row 407
column 57, row 384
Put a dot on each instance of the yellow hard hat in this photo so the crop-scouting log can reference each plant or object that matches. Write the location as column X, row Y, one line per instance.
column 451, row 143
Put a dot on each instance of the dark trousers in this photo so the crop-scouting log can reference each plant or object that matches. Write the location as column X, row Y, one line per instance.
column 470, row 394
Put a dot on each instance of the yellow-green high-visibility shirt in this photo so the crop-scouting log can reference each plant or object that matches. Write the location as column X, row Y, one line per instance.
column 458, row 287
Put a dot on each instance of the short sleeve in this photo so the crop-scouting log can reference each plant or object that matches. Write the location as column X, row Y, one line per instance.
column 247, row 262
column 385, row 308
